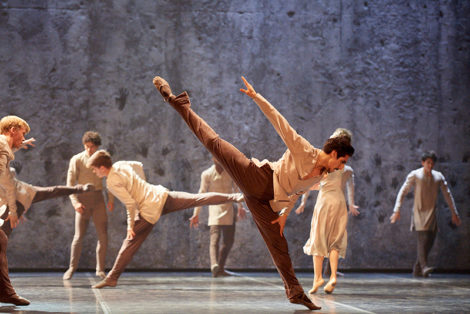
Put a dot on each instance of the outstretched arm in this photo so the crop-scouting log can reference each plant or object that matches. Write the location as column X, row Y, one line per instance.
column 299, row 147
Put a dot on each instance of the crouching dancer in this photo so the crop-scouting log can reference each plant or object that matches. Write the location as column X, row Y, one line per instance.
column 144, row 202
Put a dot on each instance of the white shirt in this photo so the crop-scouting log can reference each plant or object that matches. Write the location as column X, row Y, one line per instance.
column 135, row 193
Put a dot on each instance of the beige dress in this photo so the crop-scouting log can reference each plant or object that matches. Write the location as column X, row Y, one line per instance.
column 330, row 218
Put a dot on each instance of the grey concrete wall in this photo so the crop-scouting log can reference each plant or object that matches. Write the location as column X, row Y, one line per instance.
column 394, row 72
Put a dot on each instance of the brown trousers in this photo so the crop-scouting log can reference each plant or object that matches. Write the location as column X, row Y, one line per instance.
column 42, row 193
column 228, row 236
column 255, row 182
column 175, row 201
column 95, row 209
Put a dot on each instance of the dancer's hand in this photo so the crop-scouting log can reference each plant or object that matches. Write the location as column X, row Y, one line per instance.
column 394, row 217
column 110, row 206
column 456, row 220
column 300, row 209
column 282, row 222
column 13, row 218
column 241, row 212
column 194, row 221
column 29, row 142
column 79, row 208
column 250, row 91
column 353, row 210
column 130, row 234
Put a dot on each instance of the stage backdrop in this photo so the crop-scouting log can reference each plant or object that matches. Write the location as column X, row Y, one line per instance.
column 394, row 72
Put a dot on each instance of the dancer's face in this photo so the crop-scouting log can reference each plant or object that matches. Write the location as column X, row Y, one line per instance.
column 428, row 164
column 90, row 148
column 336, row 163
column 99, row 171
column 17, row 134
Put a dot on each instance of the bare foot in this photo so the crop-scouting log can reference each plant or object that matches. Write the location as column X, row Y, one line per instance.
column 316, row 285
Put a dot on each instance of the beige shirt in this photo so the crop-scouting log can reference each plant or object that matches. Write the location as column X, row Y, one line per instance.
column 297, row 162
column 135, row 193
column 212, row 181
column 78, row 173
column 7, row 181
column 426, row 190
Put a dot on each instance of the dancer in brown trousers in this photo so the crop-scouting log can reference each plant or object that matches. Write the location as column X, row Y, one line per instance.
column 145, row 203
column 270, row 189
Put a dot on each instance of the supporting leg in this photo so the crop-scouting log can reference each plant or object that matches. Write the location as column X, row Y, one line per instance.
column 100, row 220
column 330, row 286
column 317, row 276
column 228, row 237
column 142, row 229
column 81, row 226
column 214, row 249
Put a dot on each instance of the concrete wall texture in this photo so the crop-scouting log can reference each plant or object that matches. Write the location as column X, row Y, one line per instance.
column 394, row 72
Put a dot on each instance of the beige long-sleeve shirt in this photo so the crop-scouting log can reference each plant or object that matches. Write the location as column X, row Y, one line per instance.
column 78, row 173
column 426, row 189
column 7, row 181
column 297, row 162
column 213, row 181
column 135, row 193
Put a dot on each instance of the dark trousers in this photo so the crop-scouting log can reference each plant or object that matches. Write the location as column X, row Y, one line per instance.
column 425, row 243
column 255, row 182
column 227, row 233
column 43, row 193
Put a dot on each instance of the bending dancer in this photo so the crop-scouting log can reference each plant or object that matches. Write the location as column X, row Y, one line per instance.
column 328, row 235
column 16, row 197
column 426, row 183
column 221, row 217
column 144, row 202
column 89, row 205
column 270, row 189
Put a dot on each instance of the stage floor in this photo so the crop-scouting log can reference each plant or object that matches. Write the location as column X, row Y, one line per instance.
column 195, row 292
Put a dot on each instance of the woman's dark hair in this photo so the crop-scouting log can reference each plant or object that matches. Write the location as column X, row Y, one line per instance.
column 341, row 144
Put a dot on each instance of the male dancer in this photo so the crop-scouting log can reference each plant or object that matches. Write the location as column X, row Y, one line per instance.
column 426, row 183
column 17, row 196
column 221, row 217
column 270, row 189
column 145, row 203
column 89, row 205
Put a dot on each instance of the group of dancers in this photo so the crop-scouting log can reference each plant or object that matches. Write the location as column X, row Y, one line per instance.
column 269, row 189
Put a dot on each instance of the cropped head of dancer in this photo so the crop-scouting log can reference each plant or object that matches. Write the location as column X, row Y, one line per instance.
column 91, row 142
column 100, row 162
column 428, row 159
column 14, row 128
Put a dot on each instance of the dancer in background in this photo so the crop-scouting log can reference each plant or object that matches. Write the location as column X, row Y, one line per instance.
column 145, row 203
column 88, row 206
column 328, row 234
column 270, row 189
column 426, row 183
column 221, row 217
